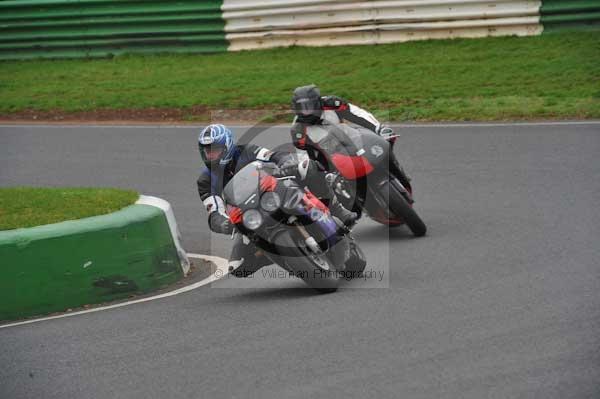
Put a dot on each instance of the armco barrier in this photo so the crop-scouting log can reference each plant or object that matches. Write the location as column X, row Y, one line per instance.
column 262, row 24
column 559, row 15
column 59, row 266
column 99, row 28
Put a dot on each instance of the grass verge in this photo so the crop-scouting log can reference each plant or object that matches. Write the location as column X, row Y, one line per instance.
column 552, row 76
column 28, row 206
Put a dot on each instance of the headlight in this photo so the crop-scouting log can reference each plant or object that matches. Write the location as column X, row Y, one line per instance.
column 252, row 219
column 270, row 201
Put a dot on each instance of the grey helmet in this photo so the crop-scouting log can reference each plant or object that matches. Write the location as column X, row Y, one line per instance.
column 306, row 103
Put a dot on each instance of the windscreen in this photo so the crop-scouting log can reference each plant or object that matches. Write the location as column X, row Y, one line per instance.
column 342, row 139
column 243, row 185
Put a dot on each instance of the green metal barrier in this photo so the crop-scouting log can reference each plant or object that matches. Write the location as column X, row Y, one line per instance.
column 64, row 265
column 101, row 28
column 563, row 15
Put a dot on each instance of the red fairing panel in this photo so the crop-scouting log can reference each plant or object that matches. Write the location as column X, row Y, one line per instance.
column 268, row 183
column 352, row 167
column 310, row 201
column 235, row 214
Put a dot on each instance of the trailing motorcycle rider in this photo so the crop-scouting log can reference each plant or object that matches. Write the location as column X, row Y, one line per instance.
column 313, row 109
column 223, row 159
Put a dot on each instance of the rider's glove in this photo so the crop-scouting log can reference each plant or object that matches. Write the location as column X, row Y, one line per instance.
column 289, row 168
column 332, row 179
column 336, row 182
column 220, row 223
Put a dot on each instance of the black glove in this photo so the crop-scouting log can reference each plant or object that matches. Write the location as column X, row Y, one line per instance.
column 220, row 223
column 288, row 168
column 332, row 179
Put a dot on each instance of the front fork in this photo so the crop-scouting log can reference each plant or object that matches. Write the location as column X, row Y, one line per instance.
column 397, row 171
column 338, row 251
column 309, row 240
column 376, row 204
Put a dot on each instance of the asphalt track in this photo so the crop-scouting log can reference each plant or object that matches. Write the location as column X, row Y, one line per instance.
column 500, row 300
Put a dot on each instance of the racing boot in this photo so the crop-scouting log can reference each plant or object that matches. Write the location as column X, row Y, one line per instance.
column 387, row 133
column 347, row 217
column 245, row 258
column 238, row 253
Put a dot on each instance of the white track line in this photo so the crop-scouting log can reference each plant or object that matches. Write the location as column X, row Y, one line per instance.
column 406, row 125
column 221, row 271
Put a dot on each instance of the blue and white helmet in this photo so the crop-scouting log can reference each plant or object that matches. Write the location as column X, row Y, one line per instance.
column 216, row 146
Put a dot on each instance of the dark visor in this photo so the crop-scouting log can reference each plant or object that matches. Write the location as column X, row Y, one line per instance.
column 305, row 106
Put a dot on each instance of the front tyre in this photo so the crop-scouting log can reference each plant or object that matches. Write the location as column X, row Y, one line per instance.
column 400, row 207
column 316, row 270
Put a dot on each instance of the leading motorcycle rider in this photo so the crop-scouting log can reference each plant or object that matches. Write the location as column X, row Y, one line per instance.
column 313, row 109
column 223, row 159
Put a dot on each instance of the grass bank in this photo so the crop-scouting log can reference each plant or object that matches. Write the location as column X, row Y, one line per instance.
column 551, row 76
column 28, row 206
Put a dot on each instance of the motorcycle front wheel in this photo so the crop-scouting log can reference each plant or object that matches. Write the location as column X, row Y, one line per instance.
column 316, row 270
column 400, row 207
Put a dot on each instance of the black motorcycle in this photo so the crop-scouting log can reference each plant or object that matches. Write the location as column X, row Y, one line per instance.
column 291, row 226
column 368, row 175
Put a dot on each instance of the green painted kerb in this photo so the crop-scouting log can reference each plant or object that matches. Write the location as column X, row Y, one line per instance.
column 568, row 15
column 64, row 265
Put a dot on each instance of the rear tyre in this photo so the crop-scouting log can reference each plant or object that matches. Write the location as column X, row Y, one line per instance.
column 316, row 270
column 402, row 209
